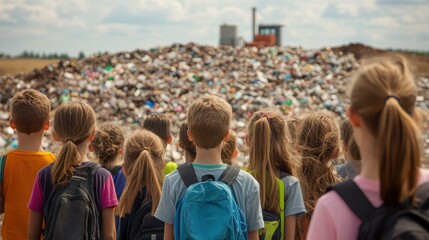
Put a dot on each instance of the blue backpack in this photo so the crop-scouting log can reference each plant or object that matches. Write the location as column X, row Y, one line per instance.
column 208, row 209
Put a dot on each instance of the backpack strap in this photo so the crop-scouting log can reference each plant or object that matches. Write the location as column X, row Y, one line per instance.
column 2, row 164
column 355, row 199
column 187, row 173
column 282, row 206
column 114, row 170
column 229, row 175
column 422, row 196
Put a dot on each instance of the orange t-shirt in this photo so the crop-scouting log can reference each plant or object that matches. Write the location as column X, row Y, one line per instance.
column 20, row 171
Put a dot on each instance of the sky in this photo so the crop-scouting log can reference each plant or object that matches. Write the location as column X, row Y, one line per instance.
column 91, row 26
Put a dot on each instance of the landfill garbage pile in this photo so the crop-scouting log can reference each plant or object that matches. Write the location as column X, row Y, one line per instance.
column 124, row 87
column 358, row 50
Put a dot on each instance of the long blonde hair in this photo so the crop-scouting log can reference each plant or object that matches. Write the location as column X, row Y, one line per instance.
column 74, row 122
column 384, row 95
column 269, row 154
column 143, row 165
column 318, row 140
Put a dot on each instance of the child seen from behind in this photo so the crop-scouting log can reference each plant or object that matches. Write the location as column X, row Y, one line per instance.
column 74, row 127
column 143, row 162
column 29, row 110
column 272, row 163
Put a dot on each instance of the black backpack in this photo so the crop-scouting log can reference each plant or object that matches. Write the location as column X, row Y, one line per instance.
column 71, row 211
column 140, row 224
column 410, row 222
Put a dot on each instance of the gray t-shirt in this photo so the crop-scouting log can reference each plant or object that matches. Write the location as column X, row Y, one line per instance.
column 246, row 189
column 294, row 202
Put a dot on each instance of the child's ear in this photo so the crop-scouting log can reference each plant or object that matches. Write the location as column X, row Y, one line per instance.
column 170, row 139
column 353, row 117
column 47, row 125
column 90, row 147
column 91, row 136
column 12, row 123
column 226, row 137
column 190, row 138
column 235, row 154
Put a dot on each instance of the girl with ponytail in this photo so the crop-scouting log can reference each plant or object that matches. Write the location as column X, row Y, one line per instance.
column 143, row 166
column 272, row 158
column 382, row 113
column 74, row 127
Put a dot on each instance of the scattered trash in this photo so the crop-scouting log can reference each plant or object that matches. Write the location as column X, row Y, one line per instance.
column 124, row 88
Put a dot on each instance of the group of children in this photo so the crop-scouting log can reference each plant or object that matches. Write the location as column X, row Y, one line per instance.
column 380, row 143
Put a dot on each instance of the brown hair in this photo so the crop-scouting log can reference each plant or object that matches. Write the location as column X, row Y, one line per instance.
column 184, row 142
column 318, row 143
column 269, row 153
column 346, row 130
column 229, row 147
column 159, row 124
column 383, row 93
column 108, row 141
column 209, row 118
column 143, row 165
column 30, row 103
column 74, row 122
column 292, row 124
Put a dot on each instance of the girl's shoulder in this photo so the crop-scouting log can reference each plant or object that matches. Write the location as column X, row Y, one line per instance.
column 288, row 179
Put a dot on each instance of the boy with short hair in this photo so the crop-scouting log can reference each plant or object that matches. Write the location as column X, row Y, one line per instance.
column 159, row 124
column 209, row 119
column 30, row 118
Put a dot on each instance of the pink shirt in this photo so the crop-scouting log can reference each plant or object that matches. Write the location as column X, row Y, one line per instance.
column 107, row 194
column 332, row 219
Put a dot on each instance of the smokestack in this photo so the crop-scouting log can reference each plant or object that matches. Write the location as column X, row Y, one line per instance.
column 253, row 22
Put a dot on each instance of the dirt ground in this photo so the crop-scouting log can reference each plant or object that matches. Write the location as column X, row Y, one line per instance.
column 20, row 65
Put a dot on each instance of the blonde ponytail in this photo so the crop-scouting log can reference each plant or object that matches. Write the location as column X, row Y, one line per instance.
column 261, row 166
column 384, row 95
column 143, row 166
column 143, row 173
column 74, row 122
column 399, row 153
column 65, row 164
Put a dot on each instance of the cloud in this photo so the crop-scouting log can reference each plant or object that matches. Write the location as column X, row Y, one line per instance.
column 403, row 2
column 117, row 25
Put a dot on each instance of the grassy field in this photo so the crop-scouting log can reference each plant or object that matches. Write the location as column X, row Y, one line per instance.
column 22, row 65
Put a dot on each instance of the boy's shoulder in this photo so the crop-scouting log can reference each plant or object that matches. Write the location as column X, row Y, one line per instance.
column 30, row 155
column 244, row 179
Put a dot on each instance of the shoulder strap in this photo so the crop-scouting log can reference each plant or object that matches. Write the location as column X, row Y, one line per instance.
column 115, row 170
column 229, row 175
column 422, row 196
column 282, row 206
column 187, row 173
column 353, row 196
column 93, row 167
column 283, row 174
column 2, row 164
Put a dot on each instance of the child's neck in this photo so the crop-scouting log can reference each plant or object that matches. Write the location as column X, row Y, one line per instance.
column 209, row 156
column 30, row 142
column 112, row 164
column 82, row 149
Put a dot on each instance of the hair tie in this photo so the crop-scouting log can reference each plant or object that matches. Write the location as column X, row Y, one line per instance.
column 69, row 140
column 264, row 115
column 392, row 96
